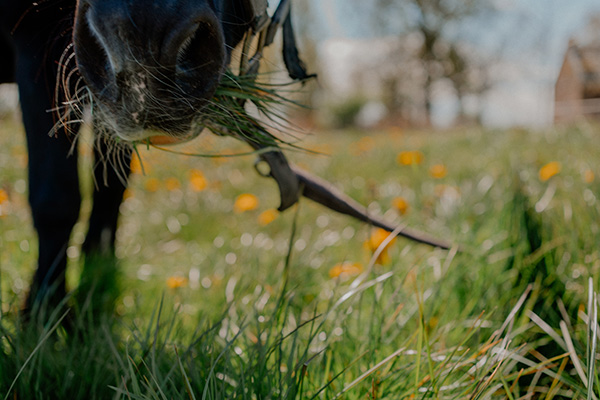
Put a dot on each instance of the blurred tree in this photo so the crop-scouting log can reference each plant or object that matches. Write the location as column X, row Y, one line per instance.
column 442, row 55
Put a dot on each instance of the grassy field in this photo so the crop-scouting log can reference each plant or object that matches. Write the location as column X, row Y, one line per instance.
column 223, row 298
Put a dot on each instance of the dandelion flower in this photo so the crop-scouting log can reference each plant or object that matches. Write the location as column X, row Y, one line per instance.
column 378, row 236
column 268, row 216
column 136, row 165
column 588, row 176
column 172, row 184
column 127, row 194
column 197, row 181
column 410, row 158
column 152, row 185
column 400, row 204
column 438, row 171
column 3, row 196
column 345, row 269
column 245, row 202
column 3, row 202
column 176, row 282
column 549, row 170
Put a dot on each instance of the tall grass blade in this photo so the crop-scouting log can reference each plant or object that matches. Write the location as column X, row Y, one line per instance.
column 572, row 353
column 371, row 371
column 34, row 352
column 592, row 336
column 547, row 329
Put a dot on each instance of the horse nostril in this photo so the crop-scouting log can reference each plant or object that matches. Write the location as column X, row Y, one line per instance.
column 93, row 60
column 197, row 54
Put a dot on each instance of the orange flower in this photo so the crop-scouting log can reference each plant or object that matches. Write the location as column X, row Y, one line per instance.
column 400, row 204
column 152, row 185
column 438, row 171
column 172, row 184
column 197, row 181
column 549, row 170
column 410, row 158
column 136, row 165
column 267, row 216
column 588, row 176
column 245, row 202
column 176, row 282
column 345, row 269
column 3, row 196
column 127, row 194
column 3, row 200
column 378, row 236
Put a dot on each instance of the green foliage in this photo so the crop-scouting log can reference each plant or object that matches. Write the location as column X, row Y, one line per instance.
column 221, row 305
column 344, row 114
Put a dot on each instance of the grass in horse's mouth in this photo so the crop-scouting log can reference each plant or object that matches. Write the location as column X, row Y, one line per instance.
column 227, row 114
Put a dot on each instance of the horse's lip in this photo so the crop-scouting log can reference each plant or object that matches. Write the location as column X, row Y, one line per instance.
column 166, row 140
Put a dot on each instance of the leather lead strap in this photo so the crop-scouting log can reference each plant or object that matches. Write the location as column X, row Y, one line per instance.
column 292, row 181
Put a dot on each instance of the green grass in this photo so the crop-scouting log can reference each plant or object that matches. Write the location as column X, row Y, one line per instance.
column 258, row 315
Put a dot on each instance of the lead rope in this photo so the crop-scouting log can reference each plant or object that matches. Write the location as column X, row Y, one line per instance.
column 292, row 181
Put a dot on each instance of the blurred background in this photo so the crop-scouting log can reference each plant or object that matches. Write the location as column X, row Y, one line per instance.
column 442, row 63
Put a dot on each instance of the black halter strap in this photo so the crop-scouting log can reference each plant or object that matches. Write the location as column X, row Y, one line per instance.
column 266, row 27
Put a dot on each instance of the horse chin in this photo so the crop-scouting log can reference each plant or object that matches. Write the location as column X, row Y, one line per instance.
column 156, row 137
column 129, row 131
column 162, row 139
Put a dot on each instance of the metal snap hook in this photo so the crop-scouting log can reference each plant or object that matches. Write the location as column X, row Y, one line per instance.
column 262, row 167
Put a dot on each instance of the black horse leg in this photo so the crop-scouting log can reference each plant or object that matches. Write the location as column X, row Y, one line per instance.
column 111, row 171
column 53, row 185
column 99, row 284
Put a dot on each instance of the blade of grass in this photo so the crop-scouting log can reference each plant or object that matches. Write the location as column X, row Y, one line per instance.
column 370, row 371
column 556, row 383
column 34, row 352
column 572, row 353
column 546, row 328
column 592, row 327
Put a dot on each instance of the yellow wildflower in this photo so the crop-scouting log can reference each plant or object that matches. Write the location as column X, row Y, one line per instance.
column 152, row 185
column 345, row 269
column 438, row 171
column 410, row 158
column 3, row 200
column 549, row 170
column 588, row 176
column 197, row 181
column 3, row 196
column 176, row 282
column 378, row 236
column 172, row 184
column 245, row 202
column 267, row 216
column 400, row 204
column 136, row 165
column 127, row 194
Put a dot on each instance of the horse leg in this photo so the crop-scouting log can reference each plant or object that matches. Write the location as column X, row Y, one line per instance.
column 53, row 186
column 98, row 285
